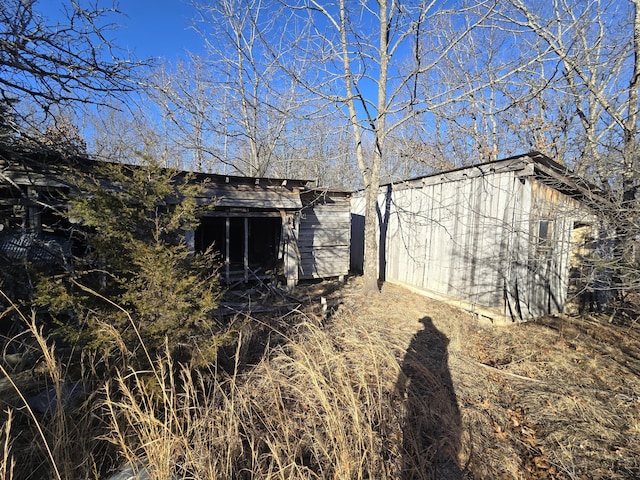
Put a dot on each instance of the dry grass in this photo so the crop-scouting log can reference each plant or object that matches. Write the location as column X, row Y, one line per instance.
column 556, row 398
column 392, row 386
column 318, row 406
column 580, row 418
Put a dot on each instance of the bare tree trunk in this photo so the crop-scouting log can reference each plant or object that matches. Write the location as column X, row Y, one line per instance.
column 370, row 170
column 630, row 176
column 372, row 266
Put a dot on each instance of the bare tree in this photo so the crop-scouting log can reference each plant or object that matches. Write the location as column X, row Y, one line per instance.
column 597, row 47
column 63, row 63
column 134, row 134
column 189, row 103
column 254, row 102
column 367, row 59
column 63, row 135
column 595, row 60
column 317, row 149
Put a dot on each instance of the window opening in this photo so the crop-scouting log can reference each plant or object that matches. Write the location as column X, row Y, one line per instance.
column 544, row 237
column 543, row 231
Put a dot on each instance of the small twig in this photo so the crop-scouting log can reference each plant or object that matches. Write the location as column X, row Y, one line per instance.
column 515, row 375
column 504, row 372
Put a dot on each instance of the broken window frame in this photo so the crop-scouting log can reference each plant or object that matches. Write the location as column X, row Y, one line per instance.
column 544, row 237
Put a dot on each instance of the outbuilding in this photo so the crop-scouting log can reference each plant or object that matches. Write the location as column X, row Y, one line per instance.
column 495, row 238
column 264, row 227
column 260, row 227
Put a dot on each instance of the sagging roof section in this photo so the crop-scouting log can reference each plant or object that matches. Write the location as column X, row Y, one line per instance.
column 228, row 191
column 263, row 193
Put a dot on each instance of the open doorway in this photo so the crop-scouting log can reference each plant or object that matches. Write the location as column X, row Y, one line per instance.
column 581, row 296
column 249, row 246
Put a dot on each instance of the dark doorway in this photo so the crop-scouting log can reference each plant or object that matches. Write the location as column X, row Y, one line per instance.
column 264, row 240
column 211, row 231
column 249, row 246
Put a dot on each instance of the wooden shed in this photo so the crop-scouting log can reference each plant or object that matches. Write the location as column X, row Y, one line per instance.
column 494, row 238
column 261, row 227
column 253, row 226
column 270, row 226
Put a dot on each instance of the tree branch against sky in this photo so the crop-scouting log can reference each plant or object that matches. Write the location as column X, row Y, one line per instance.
column 596, row 45
column 254, row 100
column 491, row 95
column 366, row 58
column 70, row 61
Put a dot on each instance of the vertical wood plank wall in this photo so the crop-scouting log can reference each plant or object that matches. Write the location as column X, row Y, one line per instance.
column 473, row 237
column 464, row 229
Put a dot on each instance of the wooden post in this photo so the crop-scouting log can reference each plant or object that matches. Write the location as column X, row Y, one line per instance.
column 33, row 212
column 190, row 240
column 246, row 249
column 227, row 260
column 290, row 251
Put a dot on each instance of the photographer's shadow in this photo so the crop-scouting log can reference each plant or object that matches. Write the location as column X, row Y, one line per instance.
column 431, row 424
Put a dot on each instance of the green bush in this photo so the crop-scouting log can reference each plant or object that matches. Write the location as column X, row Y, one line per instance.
column 136, row 282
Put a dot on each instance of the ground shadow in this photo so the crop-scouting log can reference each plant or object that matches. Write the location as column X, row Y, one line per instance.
column 431, row 424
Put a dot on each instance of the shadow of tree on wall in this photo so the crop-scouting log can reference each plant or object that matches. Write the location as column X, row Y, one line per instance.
column 431, row 424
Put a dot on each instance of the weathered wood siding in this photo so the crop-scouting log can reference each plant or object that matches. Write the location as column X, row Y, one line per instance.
column 454, row 237
column 324, row 234
column 246, row 209
column 549, row 260
column 472, row 235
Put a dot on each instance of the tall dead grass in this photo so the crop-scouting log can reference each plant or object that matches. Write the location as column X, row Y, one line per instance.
column 321, row 402
column 48, row 430
column 320, row 405
column 7, row 463
column 370, row 393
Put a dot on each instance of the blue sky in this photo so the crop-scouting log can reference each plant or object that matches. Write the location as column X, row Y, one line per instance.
column 148, row 28
column 154, row 28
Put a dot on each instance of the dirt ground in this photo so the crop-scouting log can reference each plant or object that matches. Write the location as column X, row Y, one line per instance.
column 554, row 398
